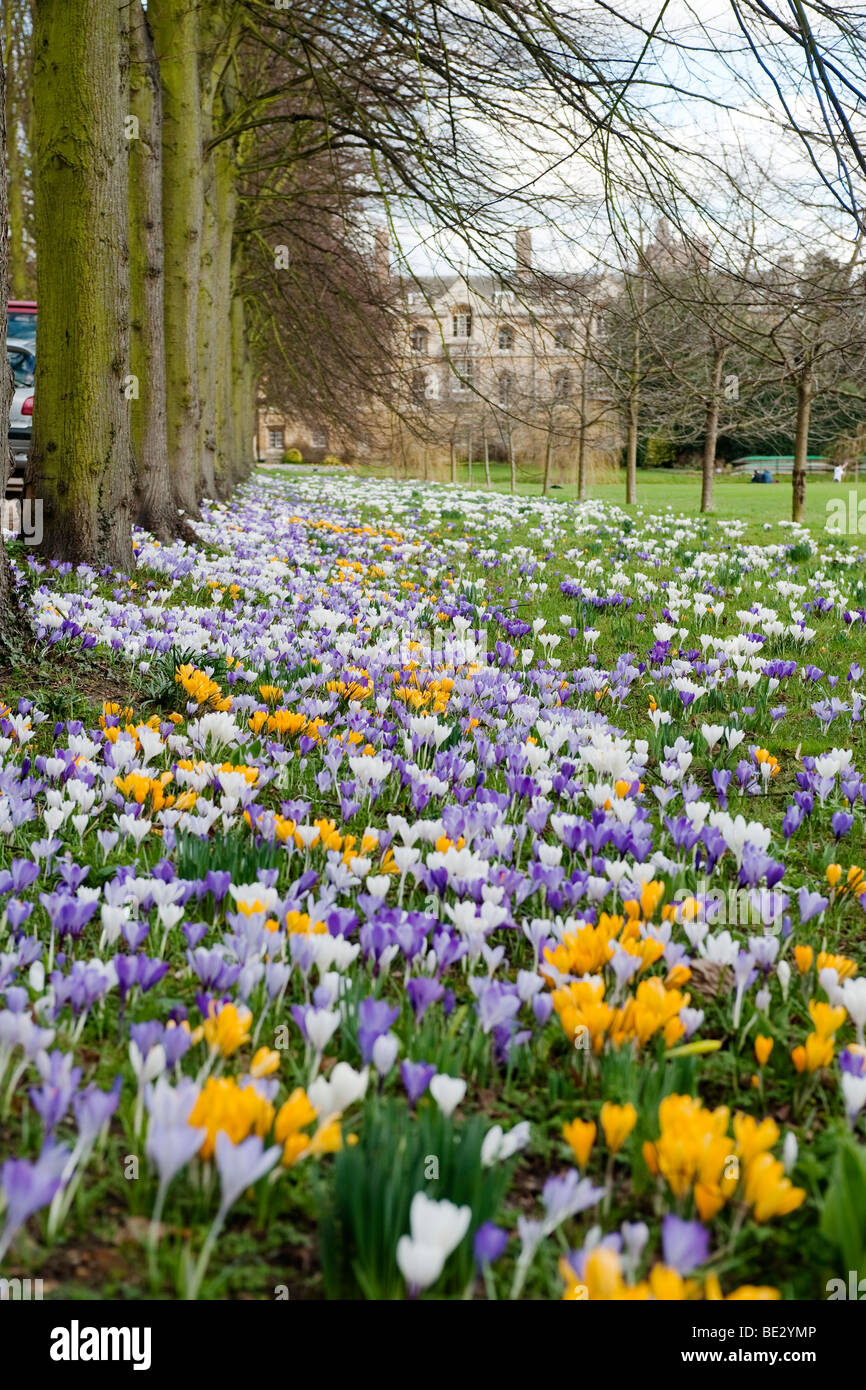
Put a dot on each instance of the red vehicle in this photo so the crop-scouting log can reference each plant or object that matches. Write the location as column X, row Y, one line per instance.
column 22, row 320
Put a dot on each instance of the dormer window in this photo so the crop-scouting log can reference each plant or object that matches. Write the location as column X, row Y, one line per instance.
column 505, row 338
column 461, row 321
column 418, row 339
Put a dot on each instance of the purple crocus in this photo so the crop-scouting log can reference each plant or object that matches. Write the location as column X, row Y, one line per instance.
column 685, row 1244
column 29, row 1186
column 423, row 992
column 375, row 1017
column 489, row 1244
column 416, row 1077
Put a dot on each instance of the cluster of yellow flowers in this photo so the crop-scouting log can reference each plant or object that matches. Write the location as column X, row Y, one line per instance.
column 434, row 693
column 137, row 786
column 358, row 686
column 286, row 723
column 238, row 1110
column 764, row 758
column 225, row 1030
column 588, row 1019
column 694, row 1153
column 603, row 1280
column 199, row 687
column 617, row 1122
column 819, row 1047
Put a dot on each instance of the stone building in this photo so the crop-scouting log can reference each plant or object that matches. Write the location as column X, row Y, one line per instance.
column 483, row 365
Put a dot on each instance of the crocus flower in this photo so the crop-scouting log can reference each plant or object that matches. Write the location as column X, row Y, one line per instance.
column 28, row 1186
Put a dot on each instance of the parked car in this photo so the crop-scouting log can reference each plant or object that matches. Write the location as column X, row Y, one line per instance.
column 21, row 323
column 22, row 360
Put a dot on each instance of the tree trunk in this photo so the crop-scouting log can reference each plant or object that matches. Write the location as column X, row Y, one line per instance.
column 155, row 508
column 633, row 407
column 511, row 462
column 581, row 439
column 711, row 432
column 207, row 341
column 80, row 462
column 486, row 460
column 548, row 463
column 243, row 392
column 469, row 451
column 174, row 24
column 801, row 446
column 453, row 462
column 8, row 616
column 17, row 104
column 228, row 467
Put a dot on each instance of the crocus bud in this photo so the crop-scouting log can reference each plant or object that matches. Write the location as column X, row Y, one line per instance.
column 789, row 1151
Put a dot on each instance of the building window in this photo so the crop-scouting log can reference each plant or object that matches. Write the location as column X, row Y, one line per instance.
column 464, row 368
column 506, row 338
column 319, row 439
column 562, row 386
column 418, row 339
column 562, row 336
column 419, row 388
column 275, row 438
column 506, row 389
column 461, row 322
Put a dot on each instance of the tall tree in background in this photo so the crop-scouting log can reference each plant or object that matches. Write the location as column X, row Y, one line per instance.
column 155, row 506
column 80, row 463
column 17, row 30
column 175, row 28
column 6, row 604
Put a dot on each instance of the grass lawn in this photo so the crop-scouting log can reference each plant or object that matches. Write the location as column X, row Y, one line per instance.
column 681, row 492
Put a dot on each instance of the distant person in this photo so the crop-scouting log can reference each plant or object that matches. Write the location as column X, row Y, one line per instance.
column 838, row 473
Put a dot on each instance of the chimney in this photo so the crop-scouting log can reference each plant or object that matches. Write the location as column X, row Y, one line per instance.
column 382, row 254
column 523, row 252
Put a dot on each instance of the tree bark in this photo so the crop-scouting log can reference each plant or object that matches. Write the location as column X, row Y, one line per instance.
column 8, row 616
column 486, row 459
column 228, row 468
column 80, row 464
column 581, row 438
column 174, row 24
column 633, row 407
column 548, row 463
column 511, row 462
column 711, row 432
column 155, row 508
column 453, row 462
column 805, row 390
column 17, row 106
column 243, row 391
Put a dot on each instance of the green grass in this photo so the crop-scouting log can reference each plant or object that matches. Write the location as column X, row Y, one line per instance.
column 659, row 489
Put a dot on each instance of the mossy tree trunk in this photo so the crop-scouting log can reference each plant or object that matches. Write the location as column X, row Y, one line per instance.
column 155, row 508
column 243, row 392
column 7, row 607
column 174, row 24
column 16, row 59
column 80, row 464
column 206, row 443
column 228, row 467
